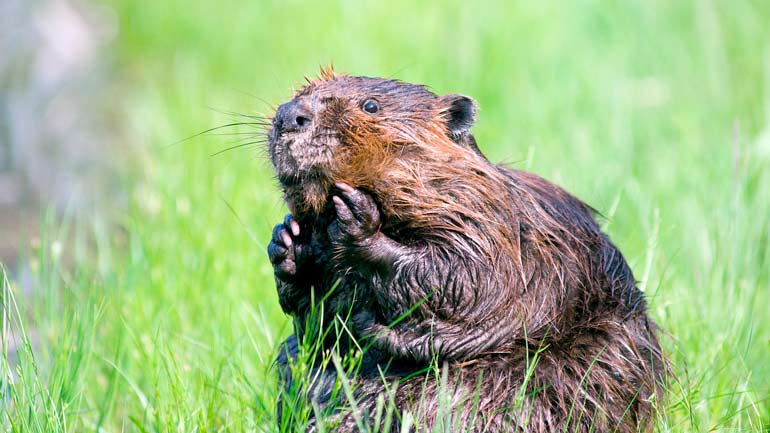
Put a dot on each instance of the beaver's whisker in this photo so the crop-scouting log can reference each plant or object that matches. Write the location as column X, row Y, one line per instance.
column 236, row 147
column 229, row 125
column 226, row 134
column 237, row 114
column 262, row 100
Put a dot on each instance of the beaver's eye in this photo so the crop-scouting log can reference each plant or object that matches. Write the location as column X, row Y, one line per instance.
column 371, row 106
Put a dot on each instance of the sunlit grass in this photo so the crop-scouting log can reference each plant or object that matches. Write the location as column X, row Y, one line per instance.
column 164, row 317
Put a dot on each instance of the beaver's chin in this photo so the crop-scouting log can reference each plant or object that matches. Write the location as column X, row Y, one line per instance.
column 306, row 193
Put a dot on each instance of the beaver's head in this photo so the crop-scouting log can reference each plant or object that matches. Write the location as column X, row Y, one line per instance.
column 350, row 129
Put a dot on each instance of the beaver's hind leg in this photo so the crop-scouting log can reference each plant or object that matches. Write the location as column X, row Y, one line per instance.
column 605, row 380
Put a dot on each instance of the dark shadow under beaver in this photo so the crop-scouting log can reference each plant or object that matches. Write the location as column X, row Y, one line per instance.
column 490, row 270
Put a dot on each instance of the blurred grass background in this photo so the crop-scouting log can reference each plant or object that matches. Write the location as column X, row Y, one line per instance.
column 160, row 314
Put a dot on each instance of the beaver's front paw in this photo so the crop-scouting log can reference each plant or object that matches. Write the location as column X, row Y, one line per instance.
column 287, row 255
column 357, row 225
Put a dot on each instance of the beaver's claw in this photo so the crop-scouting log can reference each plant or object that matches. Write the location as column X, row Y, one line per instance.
column 358, row 219
column 285, row 253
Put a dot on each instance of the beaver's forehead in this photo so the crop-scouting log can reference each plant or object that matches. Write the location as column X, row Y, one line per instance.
column 343, row 86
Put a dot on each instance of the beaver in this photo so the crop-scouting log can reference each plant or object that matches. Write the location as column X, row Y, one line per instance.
column 432, row 255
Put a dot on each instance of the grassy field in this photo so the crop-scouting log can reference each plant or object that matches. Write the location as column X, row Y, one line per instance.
column 163, row 316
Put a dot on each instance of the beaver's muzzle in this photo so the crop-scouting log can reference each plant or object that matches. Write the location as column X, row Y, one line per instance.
column 292, row 117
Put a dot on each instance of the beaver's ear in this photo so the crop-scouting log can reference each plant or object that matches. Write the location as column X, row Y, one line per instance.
column 460, row 113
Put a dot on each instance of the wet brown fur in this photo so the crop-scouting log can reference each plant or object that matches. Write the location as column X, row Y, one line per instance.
column 540, row 278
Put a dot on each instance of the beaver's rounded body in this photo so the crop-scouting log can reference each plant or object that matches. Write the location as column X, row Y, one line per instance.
column 503, row 278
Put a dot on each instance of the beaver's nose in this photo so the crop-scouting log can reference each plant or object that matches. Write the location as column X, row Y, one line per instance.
column 292, row 117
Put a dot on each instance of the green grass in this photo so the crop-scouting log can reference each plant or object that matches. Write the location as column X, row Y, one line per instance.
column 163, row 316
